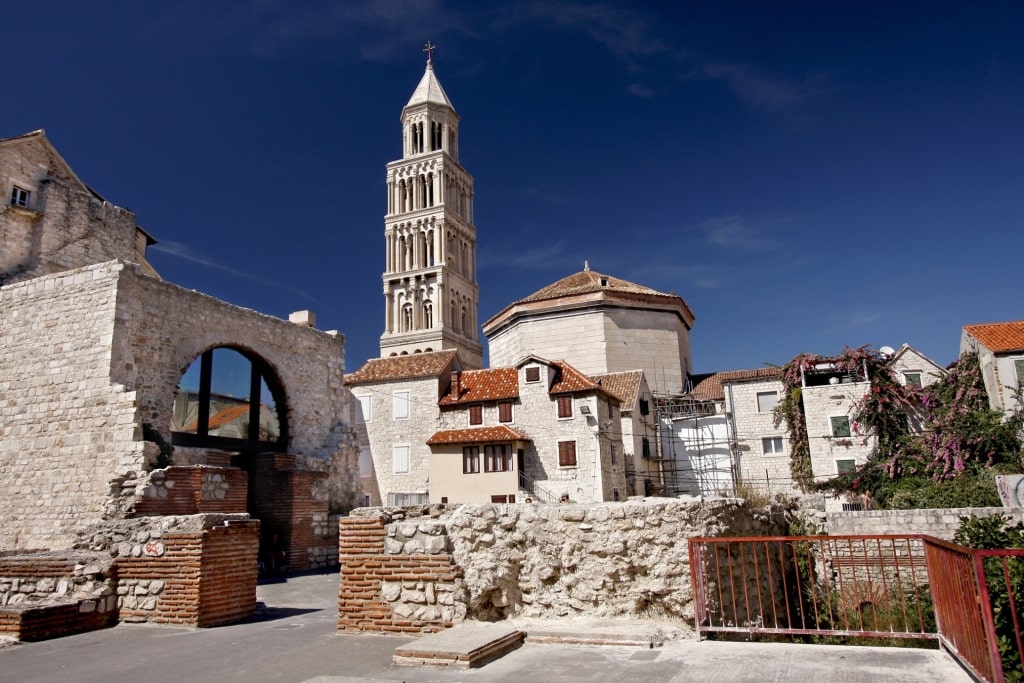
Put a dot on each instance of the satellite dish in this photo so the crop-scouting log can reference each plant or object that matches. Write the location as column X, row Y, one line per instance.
column 887, row 351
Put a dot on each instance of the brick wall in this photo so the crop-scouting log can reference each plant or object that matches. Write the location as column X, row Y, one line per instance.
column 194, row 490
column 195, row 578
column 373, row 581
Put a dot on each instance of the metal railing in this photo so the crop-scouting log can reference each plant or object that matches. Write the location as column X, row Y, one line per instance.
column 973, row 590
column 909, row 586
column 536, row 490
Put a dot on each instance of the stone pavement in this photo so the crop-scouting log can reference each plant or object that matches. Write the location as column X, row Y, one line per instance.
column 293, row 640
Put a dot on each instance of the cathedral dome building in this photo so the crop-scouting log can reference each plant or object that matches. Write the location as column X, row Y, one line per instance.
column 599, row 324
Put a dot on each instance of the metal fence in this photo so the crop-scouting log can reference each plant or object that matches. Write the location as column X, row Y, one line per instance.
column 910, row 586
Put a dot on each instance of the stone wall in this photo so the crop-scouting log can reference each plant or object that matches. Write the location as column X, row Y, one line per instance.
column 65, row 225
column 90, row 355
column 941, row 523
column 820, row 404
column 763, row 472
column 490, row 562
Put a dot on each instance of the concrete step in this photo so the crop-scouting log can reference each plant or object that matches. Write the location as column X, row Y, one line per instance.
column 461, row 648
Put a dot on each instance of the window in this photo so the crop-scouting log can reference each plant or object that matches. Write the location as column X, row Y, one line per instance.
column 567, row 454
column 400, row 459
column 533, row 374
column 476, row 414
column 612, row 452
column 840, row 425
column 428, row 315
column 1018, row 365
column 646, row 445
column 771, row 445
column 365, row 408
column 227, row 399
column 401, row 405
column 766, row 401
column 407, row 318
column 20, row 196
column 844, row 466
column 912, row 379
column 498, row 458
column 470, row 459
column 645, row 407
column 564, row 406
column 505, row 411
column 504, row 499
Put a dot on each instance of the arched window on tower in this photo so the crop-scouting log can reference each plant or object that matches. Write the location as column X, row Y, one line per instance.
column 430, row 189
column 430, row 248
column 428, row 315
column 465, row 321
column 452, row 319
column 407, row 318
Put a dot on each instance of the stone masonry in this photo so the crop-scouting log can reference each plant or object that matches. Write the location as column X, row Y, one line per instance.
column 425, row 569
column 88, row 356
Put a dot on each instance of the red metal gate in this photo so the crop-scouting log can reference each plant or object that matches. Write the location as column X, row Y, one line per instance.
column 909, row 586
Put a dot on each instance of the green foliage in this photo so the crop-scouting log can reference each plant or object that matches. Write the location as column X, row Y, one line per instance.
column 995, row 532
column 165, row 458
column 949, row 464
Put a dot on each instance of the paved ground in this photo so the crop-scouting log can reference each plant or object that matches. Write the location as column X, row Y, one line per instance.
column 294, row 640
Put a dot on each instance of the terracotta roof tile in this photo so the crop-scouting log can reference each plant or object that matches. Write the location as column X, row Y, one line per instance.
column 587, row 281
column 710, row 387
column 570, row 380
column 476, row 435
column 999, row 337
column 623, row 385
column 432, row 364
column 476, row 386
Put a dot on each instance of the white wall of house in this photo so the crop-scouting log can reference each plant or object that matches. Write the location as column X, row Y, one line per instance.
column 698, row 448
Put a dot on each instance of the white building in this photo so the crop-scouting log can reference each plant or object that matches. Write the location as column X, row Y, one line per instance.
column 1000, row 349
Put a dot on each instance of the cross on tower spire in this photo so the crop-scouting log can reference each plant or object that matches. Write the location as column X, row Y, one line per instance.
column 429, row 49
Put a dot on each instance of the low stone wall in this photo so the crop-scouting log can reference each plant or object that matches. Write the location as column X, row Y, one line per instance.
column 50, row 594
column 941, row 523
column 428, row 568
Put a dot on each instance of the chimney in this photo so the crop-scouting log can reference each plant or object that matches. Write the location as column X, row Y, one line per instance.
column 303, row 318
column 456, row 384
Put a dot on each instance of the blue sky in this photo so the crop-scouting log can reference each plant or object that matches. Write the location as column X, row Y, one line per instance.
column 806, row 175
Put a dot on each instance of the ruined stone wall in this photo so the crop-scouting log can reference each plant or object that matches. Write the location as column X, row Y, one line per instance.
column 162, row 328
column 492, row 562
column 88, row 356
column 68, row 432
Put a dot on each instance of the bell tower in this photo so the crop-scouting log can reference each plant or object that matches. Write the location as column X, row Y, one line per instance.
column 430, row 290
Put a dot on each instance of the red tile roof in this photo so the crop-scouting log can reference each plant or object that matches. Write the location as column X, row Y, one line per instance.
column 709, row 387
column 476, row 386
column 587, row 281
column 497, row 434
column 570, row 380
column 432, row 364
column 623, row 385
column 222, row 417
column 999, row 337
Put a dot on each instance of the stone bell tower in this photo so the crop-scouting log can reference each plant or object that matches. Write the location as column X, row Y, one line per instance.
column 430, row 289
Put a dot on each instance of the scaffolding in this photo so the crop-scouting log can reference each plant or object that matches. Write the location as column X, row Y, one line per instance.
column 693, row 467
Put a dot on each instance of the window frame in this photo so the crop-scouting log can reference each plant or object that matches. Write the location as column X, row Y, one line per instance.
column 401, row 398
column 505, row 412
column 844, row 468
column 645, row 447
column 773, row 394
column 907, row 374
column 1018, row 367
column 533, row 374
column 365, row 403
column 564, row 454
column 560, row 411
column 20, row 197
column 773, row 440
column 832, row 426
column 395, row 450
column 471, row 460
column 476, row 413
column 498, row 457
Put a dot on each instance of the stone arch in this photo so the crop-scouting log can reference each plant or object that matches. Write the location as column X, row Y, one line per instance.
column 230, row 398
